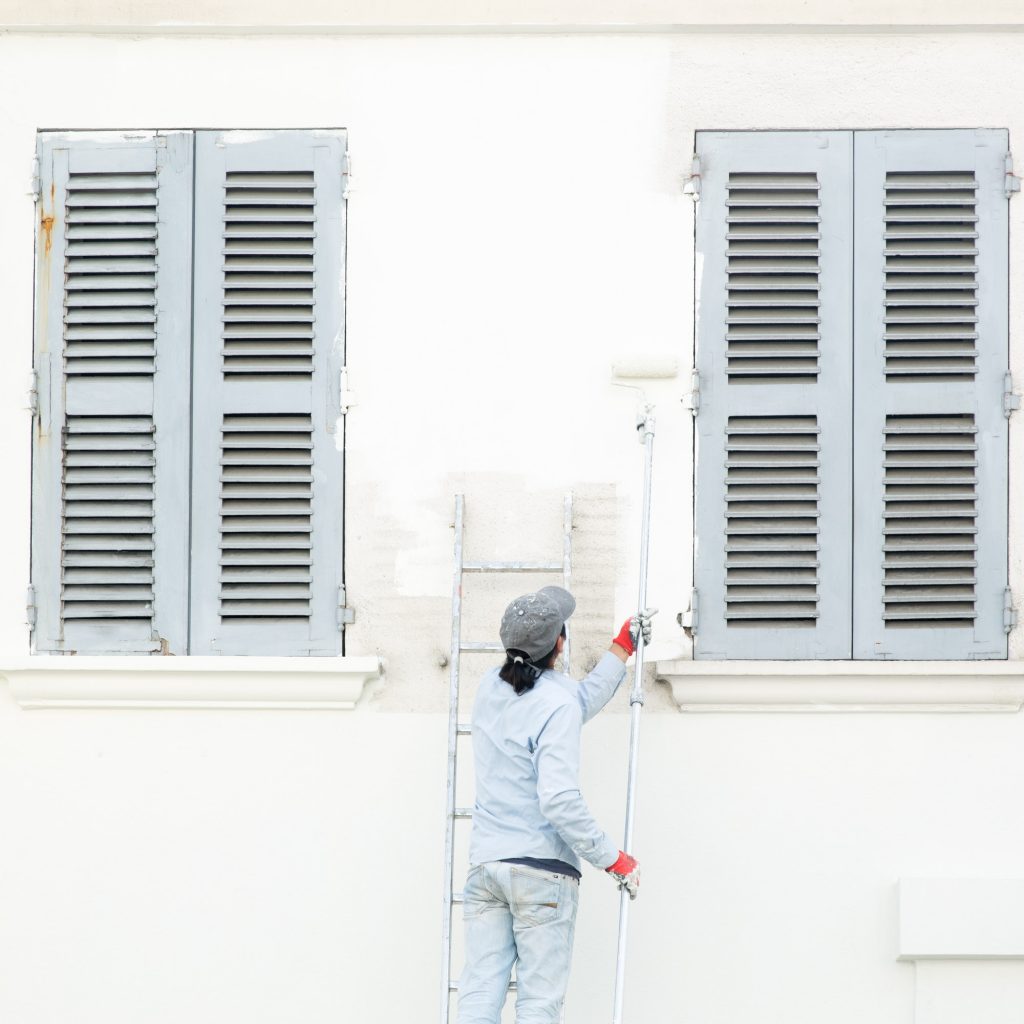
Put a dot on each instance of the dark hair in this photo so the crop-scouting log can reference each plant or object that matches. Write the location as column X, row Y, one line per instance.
column 521, row 675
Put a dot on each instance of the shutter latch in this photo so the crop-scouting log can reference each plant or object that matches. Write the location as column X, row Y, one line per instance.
column 35, row 180
column 691, row 183
column 30, row 607
column 33, row 393
column 1011, row 183
column 346, row 615
column 1011, row 400
column 691, row 400
column 1009, row 612
column 688, row 619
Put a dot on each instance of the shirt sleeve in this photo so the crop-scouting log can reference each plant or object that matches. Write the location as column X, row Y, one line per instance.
column 557, row 758
column 598, row 687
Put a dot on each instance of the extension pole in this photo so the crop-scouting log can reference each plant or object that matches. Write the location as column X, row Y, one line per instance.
column 645, row 426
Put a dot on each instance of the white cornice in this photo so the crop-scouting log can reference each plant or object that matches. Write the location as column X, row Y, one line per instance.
column 154, row 682
column 317, row 16
column 844, row 686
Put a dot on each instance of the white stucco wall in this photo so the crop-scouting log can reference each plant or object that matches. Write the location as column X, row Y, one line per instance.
column 517, row 224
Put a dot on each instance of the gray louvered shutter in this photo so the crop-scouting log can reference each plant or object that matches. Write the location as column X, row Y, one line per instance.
column 773, row 501
column 110, row 453
column 267, row 462
column 931, row 353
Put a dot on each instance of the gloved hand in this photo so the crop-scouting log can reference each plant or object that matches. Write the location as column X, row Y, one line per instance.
column 633, row 629
column 626, row 872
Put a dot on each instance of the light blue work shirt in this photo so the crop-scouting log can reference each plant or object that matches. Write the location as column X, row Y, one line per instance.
column 526, row 753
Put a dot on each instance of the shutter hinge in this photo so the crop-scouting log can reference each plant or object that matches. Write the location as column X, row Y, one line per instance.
column 346, row 398
column 346, row 615
column 1009, row 612
column 1011, row 400
column 691, row 400
column 347, row 184
column 688, row 619
column 35, row 179
column 1011, row 183
column 33, row 393
column 691, row 183
column 30, row 607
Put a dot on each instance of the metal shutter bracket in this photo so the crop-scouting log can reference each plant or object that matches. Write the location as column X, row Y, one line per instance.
column 1009, row 612
column 1011, row 182
column 346, row 614
column 691, row 400
column 688, row 619
column 691, row 183
column 347, row 397
column 1011, row 400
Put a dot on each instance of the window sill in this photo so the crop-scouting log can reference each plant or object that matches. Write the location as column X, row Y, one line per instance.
column 193, row 682
column 795, row 686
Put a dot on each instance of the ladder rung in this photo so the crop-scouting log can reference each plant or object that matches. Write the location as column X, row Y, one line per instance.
column 462, row 812
column 513, row 567
column 463, row 729
column 485, row 645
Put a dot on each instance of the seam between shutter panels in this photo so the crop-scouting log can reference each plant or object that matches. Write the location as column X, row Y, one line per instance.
column 190, row 575
column 108, row 467
column 342, row 419
column 853, row 391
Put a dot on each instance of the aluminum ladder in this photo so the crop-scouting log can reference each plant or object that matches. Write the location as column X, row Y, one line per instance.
column 458, row 730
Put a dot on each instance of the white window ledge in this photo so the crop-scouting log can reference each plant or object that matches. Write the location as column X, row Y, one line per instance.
column 788, row 686
column 193, row 682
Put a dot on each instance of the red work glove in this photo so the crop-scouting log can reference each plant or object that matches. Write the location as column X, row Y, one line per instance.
column 625, row 637
column 626, row 871
column 639, row 626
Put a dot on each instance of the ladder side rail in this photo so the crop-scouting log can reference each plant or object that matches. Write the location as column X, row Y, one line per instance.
column 566, row 567
column 453, row 739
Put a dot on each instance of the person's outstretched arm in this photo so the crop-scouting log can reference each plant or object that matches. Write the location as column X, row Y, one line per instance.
column 599, row 685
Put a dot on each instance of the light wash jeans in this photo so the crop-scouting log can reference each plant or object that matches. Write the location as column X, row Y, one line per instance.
column 523, row 916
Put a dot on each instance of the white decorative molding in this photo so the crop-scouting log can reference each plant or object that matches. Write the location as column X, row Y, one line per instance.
column 189, row 682
column 961, row 918
column 786, row 686
column 182, row 16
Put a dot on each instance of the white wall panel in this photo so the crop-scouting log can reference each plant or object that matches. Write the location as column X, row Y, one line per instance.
column 516, row 225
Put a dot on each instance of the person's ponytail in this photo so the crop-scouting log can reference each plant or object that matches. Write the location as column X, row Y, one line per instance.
column 519, row 672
